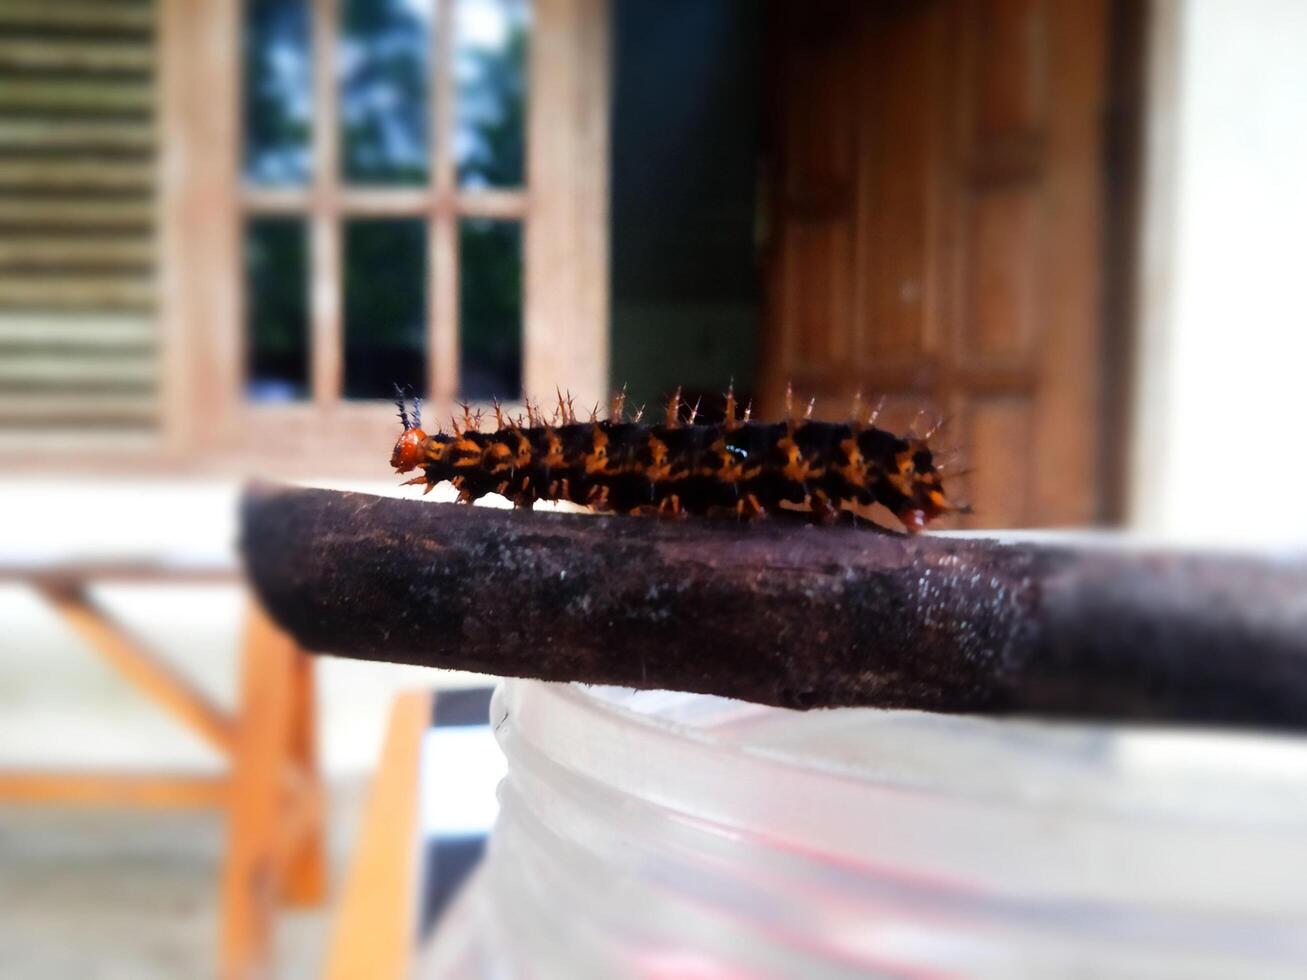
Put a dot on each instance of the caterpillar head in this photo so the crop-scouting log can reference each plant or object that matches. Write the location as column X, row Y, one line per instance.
column 922, row 488
column 409, row 452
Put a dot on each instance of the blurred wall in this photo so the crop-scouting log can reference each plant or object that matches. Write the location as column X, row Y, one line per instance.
column 687, row 104
column 1222, row 375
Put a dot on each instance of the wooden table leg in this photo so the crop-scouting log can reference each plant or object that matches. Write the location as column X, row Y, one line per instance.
column 275, row 817
column 304, row 880
column 273, row 795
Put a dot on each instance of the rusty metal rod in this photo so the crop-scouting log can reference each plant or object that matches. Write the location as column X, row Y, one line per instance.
column 784, row 613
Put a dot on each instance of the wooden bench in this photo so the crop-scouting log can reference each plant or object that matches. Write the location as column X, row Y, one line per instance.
column 272, row 789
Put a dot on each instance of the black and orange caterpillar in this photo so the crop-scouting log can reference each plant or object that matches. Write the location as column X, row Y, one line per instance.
column 738, row 467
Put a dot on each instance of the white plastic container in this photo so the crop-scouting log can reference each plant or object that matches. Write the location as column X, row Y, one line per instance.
column 653, row 834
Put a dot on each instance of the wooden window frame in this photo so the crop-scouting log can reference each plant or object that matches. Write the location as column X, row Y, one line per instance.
column 204, row 203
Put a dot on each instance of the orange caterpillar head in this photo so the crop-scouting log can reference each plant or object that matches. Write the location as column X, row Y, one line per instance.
column 919, row 481
column 409, row 452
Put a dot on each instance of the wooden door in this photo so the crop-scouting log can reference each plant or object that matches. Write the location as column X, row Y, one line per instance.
column 936, row 233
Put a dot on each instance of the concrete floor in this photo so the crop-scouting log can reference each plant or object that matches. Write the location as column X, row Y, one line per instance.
column 102, row 894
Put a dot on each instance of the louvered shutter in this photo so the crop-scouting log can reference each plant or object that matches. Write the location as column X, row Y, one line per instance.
column 78, row 336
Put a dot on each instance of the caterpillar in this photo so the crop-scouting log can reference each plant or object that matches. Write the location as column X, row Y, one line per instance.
column 737, row 467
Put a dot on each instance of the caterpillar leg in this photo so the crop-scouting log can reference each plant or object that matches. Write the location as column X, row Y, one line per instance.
column 748, row 508
column 561, row 490
column 671, row 507
column 523, row 498
column 823, row 510
column 597, row 499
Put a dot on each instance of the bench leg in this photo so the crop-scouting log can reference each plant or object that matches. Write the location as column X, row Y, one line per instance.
column 305, row 879
column 274, row 841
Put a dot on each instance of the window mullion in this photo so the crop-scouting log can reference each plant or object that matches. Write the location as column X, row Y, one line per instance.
column 442, row 328
column 325, row 307
column 326, row 273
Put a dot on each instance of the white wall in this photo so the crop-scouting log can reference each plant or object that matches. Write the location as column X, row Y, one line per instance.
column 1223, row 372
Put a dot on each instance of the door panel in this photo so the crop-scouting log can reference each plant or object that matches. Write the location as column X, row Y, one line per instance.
column 1010, row 41
column 817, row 256
column 896, row 185
column 999, row 430
column 1003, row 284
column 936, row 233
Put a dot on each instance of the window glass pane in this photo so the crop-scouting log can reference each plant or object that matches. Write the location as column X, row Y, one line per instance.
column 277, row 91
column 490, row 90
column 277, row 315
column 384, row 86
column 490, row 308
column 385, row 306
